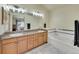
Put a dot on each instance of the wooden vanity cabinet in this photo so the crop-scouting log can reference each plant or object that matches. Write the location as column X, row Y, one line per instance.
column 22, row 44
column 9, row 46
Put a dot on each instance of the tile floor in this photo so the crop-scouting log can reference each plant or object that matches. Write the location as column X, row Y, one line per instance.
column 58, row 43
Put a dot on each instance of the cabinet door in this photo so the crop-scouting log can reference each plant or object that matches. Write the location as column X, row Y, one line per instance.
column 40, row 38
column 36, row 40
column 30, row 41
column 45, row 37
column 22, row 45
column 0, row 47
column 10, row 48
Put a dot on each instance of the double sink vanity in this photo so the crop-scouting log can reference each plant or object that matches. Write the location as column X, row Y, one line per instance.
column 23, row 41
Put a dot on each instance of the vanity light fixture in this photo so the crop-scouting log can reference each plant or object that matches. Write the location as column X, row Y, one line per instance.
column 37, row 14
column 21, row 10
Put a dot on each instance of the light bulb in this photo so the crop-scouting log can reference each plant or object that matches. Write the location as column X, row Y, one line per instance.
column 19, row 10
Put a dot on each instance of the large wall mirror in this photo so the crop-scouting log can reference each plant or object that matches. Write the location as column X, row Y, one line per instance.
column 17, row 24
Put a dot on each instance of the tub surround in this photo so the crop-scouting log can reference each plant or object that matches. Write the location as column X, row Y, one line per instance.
column 20, row 42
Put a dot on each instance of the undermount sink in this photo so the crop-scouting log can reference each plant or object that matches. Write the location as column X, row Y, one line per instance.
column 17, row 34
column 40, row 31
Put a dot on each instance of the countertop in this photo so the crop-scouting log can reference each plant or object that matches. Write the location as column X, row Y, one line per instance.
column 20, row 33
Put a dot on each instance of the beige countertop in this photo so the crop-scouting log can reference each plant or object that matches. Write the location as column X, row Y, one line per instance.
column 22, row 33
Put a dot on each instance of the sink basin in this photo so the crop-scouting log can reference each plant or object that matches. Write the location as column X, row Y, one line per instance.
column 17, row 34
column 40, row 31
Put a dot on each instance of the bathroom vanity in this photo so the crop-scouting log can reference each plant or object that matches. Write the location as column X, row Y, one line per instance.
column 23, row 41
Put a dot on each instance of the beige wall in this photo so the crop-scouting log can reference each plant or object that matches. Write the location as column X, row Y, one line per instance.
column 1, row 26
column 64, row 17
column 0, row 15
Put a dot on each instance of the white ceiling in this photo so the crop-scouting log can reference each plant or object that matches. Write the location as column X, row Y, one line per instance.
column 54, row 6
column 50, row 7
column 46, row 6
column 57, row 6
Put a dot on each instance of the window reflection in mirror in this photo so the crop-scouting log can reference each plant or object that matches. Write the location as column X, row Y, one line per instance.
column 18, row 24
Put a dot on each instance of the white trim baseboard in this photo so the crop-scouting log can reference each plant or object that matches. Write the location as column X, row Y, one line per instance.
column 65, row 31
